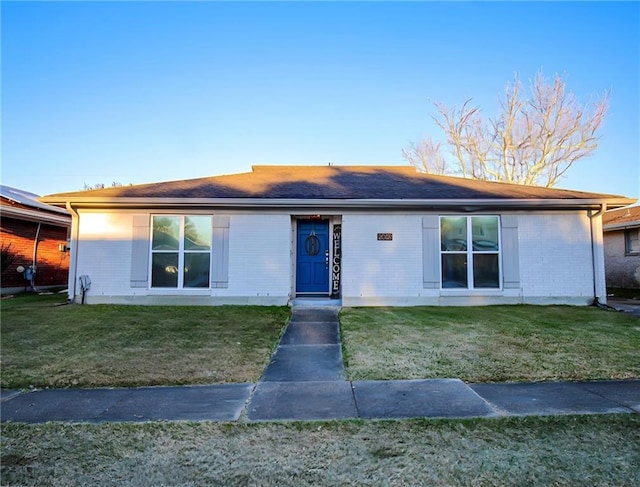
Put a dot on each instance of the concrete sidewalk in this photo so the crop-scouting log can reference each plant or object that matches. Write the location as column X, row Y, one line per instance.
column 305, row 381
column 324, row 400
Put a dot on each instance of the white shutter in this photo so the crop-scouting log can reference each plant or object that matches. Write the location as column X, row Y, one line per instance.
column 220, row 252
column 431, row 252
column 140, row 251
column 510, row 252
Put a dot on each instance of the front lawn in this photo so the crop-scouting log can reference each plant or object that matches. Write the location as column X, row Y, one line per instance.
column 48, row 344
column 45, row 344
column 491, row 343
column 532, row 451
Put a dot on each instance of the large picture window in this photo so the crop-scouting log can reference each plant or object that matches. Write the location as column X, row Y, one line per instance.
column 181, row 251
column 470, row 252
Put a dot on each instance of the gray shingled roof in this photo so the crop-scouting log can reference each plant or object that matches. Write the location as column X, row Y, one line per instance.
column 332, row 182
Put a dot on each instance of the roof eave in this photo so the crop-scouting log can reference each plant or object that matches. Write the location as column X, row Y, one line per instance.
column 621, row 226
column 274, row 203
column 36, row 216
column 34, row 204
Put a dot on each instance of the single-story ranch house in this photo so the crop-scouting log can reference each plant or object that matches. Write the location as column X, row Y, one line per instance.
column 359, row 235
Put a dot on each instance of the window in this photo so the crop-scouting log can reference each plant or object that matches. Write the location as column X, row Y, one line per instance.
column 632, row 240
column 181, row 251
column 470, row 252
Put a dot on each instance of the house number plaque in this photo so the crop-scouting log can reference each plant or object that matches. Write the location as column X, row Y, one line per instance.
column 385, row 236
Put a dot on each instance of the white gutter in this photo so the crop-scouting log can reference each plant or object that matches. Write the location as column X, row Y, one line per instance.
column 35, row 216
column 467, row 204
column 602, row 209
column 597, row 254
column 73, row 261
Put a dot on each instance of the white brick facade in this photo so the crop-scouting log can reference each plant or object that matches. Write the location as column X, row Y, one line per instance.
column 104, row 252
column 556, row 261
column 259, row 256
column 377, row 272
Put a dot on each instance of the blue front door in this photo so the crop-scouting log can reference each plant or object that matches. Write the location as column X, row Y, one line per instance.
column 312, row 265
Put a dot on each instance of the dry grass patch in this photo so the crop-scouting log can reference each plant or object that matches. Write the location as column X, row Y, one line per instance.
column 44, row 345
column 569, row 450
column 490, row 344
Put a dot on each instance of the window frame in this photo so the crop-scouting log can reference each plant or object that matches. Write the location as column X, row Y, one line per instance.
column 628, row 250
column 181, row 251
column 470, row 253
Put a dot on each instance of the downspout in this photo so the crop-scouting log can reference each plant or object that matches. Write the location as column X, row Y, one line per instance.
column 73, row 262
column 594, row 263
column 34, row 260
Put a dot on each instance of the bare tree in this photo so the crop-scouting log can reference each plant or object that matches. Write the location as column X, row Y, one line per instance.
column 114, row 184
column 426, row 155
column 532, row 141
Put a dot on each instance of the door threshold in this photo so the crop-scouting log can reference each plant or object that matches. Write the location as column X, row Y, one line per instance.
column 301, row 301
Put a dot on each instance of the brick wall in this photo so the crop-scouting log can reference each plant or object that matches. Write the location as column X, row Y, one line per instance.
column 51, row 264
column 555, row 255
column 622, row 270
column 555, row 258
column 259, row 256
column 372, row 267
column 104, row 252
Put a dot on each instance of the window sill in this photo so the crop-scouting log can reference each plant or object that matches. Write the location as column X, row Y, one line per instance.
column 176, row 291
column 471, row 292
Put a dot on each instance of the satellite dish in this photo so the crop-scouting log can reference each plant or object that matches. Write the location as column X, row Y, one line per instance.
column 20, row 269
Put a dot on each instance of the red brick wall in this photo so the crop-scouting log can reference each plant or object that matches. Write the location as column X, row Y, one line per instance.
column 51, row 264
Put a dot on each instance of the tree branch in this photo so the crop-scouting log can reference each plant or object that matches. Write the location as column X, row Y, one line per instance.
column 532, row 141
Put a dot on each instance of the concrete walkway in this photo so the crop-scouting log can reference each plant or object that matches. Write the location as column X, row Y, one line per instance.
column 305, row 380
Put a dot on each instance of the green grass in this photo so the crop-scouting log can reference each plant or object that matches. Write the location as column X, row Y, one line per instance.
column 532, row 451
column 44, row 344
column 490, row 344
column 48, row 345
column 33, row 300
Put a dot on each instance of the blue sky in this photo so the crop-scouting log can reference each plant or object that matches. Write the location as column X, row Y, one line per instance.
column 135, row 92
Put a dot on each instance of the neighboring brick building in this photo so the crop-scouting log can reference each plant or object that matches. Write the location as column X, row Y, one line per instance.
column 35, row 235
column 622, row 247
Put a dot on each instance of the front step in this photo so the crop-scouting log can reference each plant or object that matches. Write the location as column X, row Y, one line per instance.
column 316, row 303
